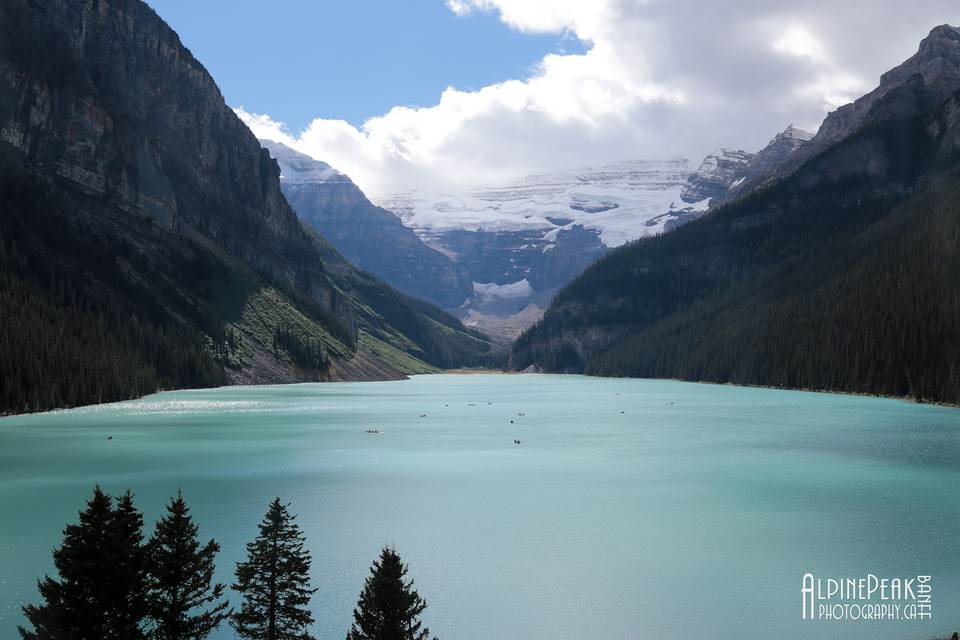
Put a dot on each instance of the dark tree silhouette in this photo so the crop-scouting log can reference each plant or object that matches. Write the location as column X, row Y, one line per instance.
column 128, row 583
column 846, row 288
column 389, row 607
column 275, row 581
column 185, row 604
column 100, row 593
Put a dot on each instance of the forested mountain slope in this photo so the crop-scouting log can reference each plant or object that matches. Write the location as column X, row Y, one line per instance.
column 843, row 275
column 144, row 239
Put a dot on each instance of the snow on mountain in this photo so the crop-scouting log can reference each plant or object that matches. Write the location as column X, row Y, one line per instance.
column 619, row 202
column 297, row 168
column 372, row 238
column 716, row 174
column 520, row 289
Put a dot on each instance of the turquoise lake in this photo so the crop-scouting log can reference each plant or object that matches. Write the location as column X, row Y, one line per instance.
column 632, row 509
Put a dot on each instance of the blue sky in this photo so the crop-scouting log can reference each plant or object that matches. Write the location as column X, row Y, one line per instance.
column 302, row 59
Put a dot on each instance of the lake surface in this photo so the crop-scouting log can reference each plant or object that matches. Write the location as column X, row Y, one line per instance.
column 631, row 509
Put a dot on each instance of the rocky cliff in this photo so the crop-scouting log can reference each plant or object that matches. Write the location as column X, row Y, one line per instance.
column 128, row 183
column 370, row 237
column 764, row 163
column 931, row 76
column 716, row 174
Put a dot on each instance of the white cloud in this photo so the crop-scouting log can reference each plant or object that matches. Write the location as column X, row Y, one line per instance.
column 659, row 78
column 797, row 41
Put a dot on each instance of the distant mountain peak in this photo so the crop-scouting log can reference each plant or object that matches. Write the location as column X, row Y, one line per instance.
column 925, row 79
column 370, row 237
column 795, row 133
column 299, row 168
column 727, row 174
column 718, row 172
column 944, row 33
column 936, row 62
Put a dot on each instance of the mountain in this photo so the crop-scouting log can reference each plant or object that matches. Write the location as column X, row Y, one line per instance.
column 749, row 174
column 145, row 242
column 370, row 237
column 518, row 243
column 718, row 172
column 840, row 274
column 932, row 69
column 777, row 151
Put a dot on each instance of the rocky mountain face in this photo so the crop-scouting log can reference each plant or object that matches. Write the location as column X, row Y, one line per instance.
column 370, row 237
column 932, row 75
column 518, row 243
column 718, row 172
column 745, row 171
column 783, row 145
column 129, row 184
column 936, row 63
column 841, row 274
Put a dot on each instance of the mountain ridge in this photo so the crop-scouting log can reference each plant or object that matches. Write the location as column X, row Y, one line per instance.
column 840, row 276
column 370, row 237
column 937, row 64
column 138, row 207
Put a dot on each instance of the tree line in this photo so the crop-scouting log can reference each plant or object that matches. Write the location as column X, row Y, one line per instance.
column 85, row 315
column 847, row 285
column 111, row 584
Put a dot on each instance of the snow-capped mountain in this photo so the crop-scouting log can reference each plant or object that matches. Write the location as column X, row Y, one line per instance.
column 619, row 203
column 718, row 172
column 496, row 255
column 370, row 237
column 521, row 242
column 764, row 163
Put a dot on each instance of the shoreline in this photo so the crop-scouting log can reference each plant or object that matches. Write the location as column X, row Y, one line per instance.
column 466, row 371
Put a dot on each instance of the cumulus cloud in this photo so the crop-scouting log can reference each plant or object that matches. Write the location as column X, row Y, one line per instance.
column 658, row 79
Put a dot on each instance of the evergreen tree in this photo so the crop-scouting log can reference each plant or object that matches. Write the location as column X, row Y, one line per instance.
column 180, row 578
column 100, row 592
column 275, row 581
column 128, row 585
column 389, row 607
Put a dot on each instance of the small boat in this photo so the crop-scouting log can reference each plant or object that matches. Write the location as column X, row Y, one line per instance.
column 109, row 437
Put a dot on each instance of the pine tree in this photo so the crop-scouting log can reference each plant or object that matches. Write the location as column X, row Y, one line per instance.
column 275, row 581
column 129, row 581
column 389, row 608
column 99, row 593
column 180, row 579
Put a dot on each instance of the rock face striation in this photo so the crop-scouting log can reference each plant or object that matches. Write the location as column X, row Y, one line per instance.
column 122, row 162
column 919, row 84
column 764, row 163
column 718, row 172
column 369, row 236
column 519, row 242
column 934, row 70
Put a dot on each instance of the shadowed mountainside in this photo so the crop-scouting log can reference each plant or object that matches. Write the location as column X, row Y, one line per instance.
column 145, row 242
column 843, row 275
